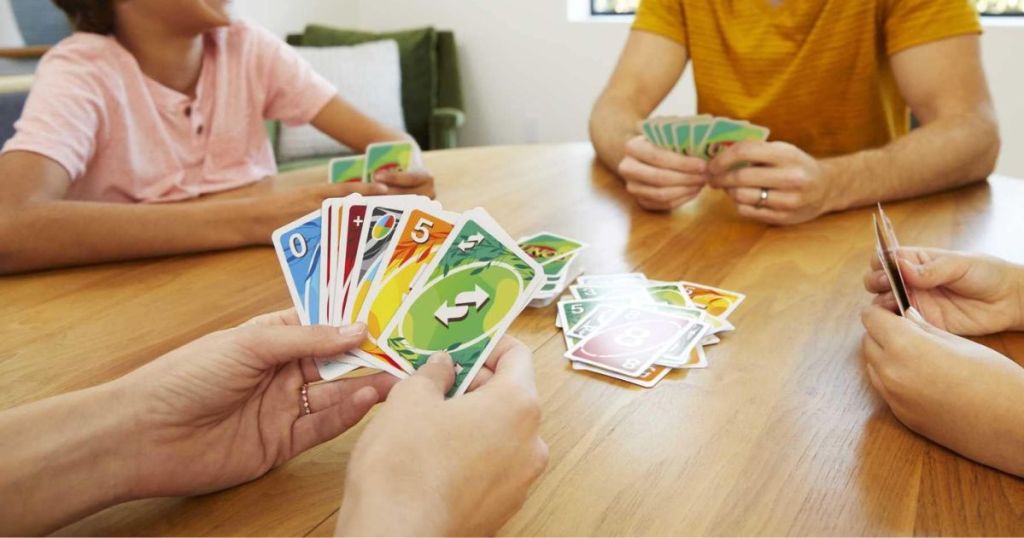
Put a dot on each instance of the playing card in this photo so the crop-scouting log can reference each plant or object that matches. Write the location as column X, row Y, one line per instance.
column 651, row 132
column 631, row 341
column 354, row 219
column 418, row 239
column 717, row 302
column 887, row 248
column 617, row 279
column 477, row 284
column 726, row 132
column 635, row 291
column 346, row 169
column 597, row 317
column 298, row 250
column 651, row 377
column 548, row 247
column 699, row 132
column 670, row 293
column 387, row 157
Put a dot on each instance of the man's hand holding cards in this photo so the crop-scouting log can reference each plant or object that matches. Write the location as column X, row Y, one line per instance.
column 422, row 279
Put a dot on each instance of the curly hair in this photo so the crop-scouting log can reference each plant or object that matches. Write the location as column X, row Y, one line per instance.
column 95, row 16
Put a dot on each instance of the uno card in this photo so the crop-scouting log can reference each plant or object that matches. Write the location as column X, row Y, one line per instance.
column 354, row 219
column 594, row 320
column 418, row 239
column 670, row 293
column 651, row 377
column 478, row 282
column 698, row 134
column 346, row 169
column 573, row 311
column 726, row 132
column 548, row 247
column 717, row 302
column 887, row 247
column 630, row 342
column 298, row 250
column 618, row 279
column 633, row 291
column 387, row 157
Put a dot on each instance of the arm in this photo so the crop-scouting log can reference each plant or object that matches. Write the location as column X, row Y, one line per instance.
column 346, row 124
column 218, row 412
column 39, row 229
column 957, row 144
column 636, row 88
column 944, row 85
column 659, row 179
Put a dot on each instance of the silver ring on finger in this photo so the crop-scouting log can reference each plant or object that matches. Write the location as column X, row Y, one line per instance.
column 763, row 200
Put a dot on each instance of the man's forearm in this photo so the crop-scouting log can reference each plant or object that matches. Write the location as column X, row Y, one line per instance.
column 612, row 124
column 62, row 233
column 64, row 458
column 948, row 153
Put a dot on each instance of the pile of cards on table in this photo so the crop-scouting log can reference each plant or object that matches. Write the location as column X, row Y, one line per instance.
column 637, row 330
column 422, row 279
column 382, row 157
column 702, row 136
column 559, row 256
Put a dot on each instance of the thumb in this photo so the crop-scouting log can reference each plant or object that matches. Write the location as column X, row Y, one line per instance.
column 434, row 379
column 368, row 189
column 266, row 346
column 933, row 273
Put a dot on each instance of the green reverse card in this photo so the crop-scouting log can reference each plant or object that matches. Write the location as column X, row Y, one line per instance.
column 471, row 293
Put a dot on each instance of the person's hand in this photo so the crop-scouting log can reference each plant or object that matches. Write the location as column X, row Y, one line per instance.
column 227, row 408
column 414, row 181
column 659, row 179
column 953, row 391
column 797, row 189
column 449, row 467
column 967, row 294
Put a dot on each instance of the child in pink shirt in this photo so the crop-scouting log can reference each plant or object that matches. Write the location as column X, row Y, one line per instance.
column 155, row 101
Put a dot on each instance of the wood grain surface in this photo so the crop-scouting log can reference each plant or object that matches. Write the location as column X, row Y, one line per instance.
column 782, row 434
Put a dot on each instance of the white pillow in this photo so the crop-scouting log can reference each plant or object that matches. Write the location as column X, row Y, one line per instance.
column 369, row 76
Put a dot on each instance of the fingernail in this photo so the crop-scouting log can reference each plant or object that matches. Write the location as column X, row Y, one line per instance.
column 355, row 329
column 440, row 358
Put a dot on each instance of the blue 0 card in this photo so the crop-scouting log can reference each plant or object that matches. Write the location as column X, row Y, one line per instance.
column 298, row 250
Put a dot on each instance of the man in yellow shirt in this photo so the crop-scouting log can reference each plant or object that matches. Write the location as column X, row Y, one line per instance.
column 834, row 81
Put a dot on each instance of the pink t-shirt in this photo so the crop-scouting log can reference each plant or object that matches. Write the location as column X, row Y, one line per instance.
column 125, row 138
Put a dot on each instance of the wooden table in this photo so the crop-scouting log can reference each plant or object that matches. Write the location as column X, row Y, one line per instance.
column 782, row 434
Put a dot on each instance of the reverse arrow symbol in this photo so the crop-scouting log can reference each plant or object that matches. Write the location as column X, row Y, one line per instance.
column 471, row 242
column 446, row 313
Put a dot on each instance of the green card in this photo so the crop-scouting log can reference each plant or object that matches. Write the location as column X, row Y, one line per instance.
column 548, row 247
column 697, row 136
column 346, row 169
column 669, row 294
column 472, row 291
column 387, row 157
column 725, row 132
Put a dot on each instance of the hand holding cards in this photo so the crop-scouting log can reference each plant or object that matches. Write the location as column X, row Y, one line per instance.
column 702, row 136
column 422, row 279
column 382, row 157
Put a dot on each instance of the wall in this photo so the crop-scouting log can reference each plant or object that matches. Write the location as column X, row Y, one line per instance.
column 284, row 17
column 531, row 76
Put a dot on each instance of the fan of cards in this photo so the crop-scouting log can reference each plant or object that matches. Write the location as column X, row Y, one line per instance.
column 886, row 247
column 634, row 329
column 702, row 136
column 382, row 157
column 422, row 279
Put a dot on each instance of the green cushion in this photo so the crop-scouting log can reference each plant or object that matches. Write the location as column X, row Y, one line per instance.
column 419, row 67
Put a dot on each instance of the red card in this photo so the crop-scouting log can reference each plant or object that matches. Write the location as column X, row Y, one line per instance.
column 630, row 342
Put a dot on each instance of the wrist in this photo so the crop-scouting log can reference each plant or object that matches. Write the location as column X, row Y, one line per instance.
column 835, row 190
column 369, row 507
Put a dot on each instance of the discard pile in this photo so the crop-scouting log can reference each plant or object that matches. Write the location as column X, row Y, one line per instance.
column 638, row 330
column 422, row 279
column 702, row 136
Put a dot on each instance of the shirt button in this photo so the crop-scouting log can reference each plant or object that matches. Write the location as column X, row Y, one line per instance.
column 188, row 111
column 199, row 130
